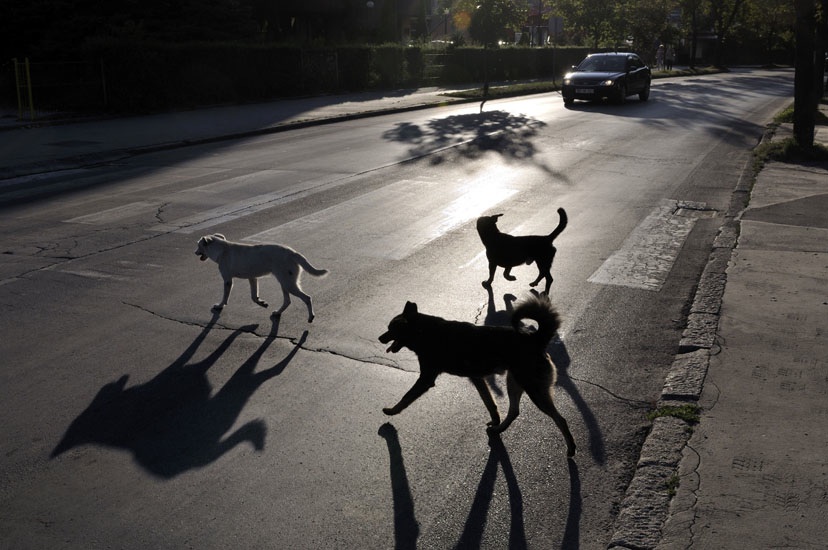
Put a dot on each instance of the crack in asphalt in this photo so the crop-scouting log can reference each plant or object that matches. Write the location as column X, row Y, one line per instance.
column 251, row 330
column 636, row 403
column 159, row 212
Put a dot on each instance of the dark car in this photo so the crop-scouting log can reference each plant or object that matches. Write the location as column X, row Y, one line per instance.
column 607, row 76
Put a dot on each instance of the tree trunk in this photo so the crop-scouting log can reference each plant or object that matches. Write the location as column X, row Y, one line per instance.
column 821, row 48
column 694, row 38
column 485, row 76
column 805, row 100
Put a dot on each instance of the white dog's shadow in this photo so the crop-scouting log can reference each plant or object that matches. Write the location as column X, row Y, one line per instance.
column 172, row 423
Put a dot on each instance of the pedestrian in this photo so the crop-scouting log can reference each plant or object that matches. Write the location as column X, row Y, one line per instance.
column 660, row 57
column 670, row 57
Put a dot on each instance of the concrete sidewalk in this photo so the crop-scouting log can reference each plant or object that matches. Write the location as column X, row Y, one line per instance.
column 753, row 472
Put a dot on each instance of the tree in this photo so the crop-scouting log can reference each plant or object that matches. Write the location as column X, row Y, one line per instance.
column 488, row 21
column 692, row 11
column 592, row 19
column 805, row 98
column 646, row 24
column 724, row 15
column 821, row 57
column 769, row 24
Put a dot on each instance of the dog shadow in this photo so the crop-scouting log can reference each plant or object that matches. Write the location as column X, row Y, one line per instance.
column 498, row 318
column 406, row 527
column 560, row 356
column 172, row 423
column 572, row 531
column 472, row 536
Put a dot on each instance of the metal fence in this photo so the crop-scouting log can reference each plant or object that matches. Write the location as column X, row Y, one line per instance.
column 48, row 87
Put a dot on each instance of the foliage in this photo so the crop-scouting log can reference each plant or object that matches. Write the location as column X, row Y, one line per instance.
column 590, row 22
column 689, row 413
column 788, row 150
column 490, row 18
column 46, row 28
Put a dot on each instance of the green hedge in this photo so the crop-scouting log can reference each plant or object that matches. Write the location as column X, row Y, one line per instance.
column 143, row 77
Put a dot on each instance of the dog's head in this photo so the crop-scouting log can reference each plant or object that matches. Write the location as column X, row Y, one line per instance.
column 400, row 329
column 487, row 224
column 204, row 242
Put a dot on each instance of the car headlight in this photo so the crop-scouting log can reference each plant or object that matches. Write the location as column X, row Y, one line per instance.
column 609, row 82
column 566, row 82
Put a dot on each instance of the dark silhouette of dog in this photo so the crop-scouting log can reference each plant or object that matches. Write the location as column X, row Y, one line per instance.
column 508, row 251
column 475, row 352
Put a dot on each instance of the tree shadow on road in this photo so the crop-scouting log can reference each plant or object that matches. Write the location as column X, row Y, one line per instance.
column 172, row 423
column 472, row 135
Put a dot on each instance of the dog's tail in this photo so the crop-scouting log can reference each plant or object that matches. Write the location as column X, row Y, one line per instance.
column 306, row 265
column 539, row 309
column 561, row 224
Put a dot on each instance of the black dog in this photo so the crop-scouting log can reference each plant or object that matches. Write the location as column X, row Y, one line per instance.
column 464, row 349
column 509, row 251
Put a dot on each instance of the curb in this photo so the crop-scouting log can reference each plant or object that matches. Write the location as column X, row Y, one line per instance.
column 646, row 504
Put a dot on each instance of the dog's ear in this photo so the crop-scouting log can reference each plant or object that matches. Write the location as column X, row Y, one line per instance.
column 205, row 240
column 496, row 216
column 410, row 309
column 220, row 236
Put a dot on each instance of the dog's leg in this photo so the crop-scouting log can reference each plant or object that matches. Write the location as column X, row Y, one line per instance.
column 228, row 286
column 492, row 267
column 285, row 303
column 486, row 395
column 507, row 274
column 308, row 302
column 254, row 292
column 422, row 385
column 542, row 397
column 291, row 286
column 515, row 392
column 541, row 276
column 544, row 272
column 548, row 284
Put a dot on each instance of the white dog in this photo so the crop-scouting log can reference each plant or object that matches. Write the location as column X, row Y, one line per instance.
column 250, row 261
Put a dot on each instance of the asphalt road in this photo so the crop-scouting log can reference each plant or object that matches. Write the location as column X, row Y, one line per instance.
column 134, row 418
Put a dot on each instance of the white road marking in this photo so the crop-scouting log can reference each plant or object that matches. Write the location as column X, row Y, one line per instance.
column 394, row 221
column 647, row 255
column 239, row 209
column 116, row 214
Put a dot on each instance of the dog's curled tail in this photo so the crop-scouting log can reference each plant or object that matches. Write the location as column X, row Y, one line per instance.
column 561, row 224
column 306, row 265
column 540, row 309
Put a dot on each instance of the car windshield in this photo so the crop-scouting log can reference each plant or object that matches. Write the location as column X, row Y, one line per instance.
column 603, row 64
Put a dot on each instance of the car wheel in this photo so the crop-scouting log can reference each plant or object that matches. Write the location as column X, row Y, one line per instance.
column 568, row 101
column 644, row 94
column 622, row 93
